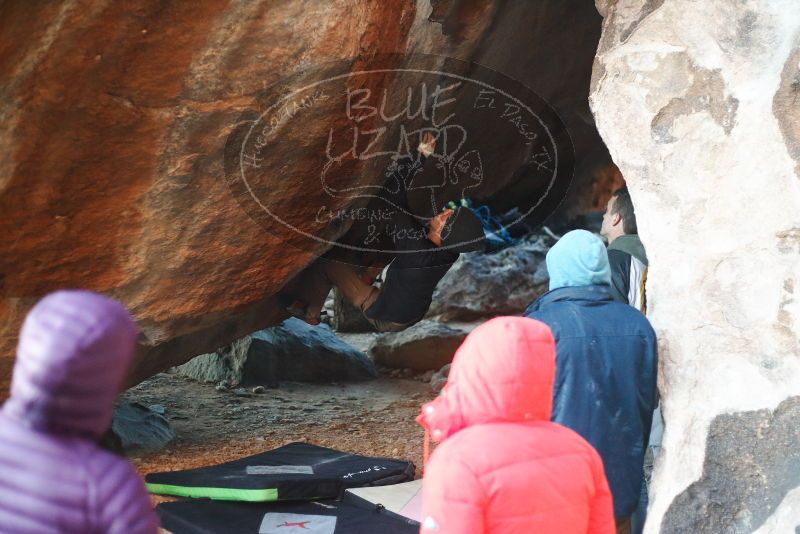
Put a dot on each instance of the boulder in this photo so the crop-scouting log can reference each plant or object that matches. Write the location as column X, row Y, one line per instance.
column 292, row 351
column 116, row 127
column 346, row 317
column 698, row 103
column 439, row 378
column 428, row 345
column 481, row 285
column 139, row 426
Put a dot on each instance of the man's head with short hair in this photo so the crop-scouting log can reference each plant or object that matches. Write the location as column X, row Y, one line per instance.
column 619, row 218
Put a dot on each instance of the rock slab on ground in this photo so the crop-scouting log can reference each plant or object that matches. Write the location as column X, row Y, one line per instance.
column 483, row 285
column 428, row 345
column 439, row 378
column 136, row 425
column 346, row 317
column 292, row 351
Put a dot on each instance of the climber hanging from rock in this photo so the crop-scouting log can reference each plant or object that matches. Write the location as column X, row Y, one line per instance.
column 423, row 252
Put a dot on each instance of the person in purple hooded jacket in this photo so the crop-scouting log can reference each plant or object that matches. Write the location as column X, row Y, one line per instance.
column 74, row 351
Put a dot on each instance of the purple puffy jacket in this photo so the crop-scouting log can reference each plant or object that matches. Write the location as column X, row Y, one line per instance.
column 74, row 351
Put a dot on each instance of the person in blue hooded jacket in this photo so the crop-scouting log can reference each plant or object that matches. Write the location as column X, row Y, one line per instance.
column 605, row 386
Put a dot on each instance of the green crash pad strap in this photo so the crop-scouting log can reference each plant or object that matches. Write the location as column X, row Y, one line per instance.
column 219, row 494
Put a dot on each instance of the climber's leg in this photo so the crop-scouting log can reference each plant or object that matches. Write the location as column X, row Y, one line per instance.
column 348, row 280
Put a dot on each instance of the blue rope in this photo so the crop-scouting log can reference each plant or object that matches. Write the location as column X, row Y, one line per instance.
column 487, row 221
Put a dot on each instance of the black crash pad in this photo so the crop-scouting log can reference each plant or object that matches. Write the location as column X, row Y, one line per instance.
column 325, row 517
column 298, row 471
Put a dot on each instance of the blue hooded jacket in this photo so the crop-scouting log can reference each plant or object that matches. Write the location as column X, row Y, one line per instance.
column 605, row 386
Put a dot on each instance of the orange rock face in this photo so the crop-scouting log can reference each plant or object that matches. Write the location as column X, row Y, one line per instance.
column 114, row 120
column 114, row 125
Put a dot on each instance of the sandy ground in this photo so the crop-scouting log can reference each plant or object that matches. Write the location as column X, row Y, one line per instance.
column 213, row 426
column 371, row 418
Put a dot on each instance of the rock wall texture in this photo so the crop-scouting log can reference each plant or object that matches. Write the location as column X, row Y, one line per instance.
column 480, row 285
column 114, row 120
column 699, row 104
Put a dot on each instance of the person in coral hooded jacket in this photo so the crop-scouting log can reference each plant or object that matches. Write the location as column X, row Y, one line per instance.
column 502, row 467
column 74, row 351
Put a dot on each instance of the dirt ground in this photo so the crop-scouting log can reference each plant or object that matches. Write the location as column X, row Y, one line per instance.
column 213, row 426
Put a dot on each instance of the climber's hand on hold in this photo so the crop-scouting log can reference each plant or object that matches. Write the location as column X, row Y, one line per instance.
column 427, row 145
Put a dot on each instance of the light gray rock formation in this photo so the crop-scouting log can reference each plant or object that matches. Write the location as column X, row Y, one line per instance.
column 699, row 104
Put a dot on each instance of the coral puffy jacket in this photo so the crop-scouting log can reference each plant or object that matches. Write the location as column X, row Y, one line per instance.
column 74, row 350
column 502, row 466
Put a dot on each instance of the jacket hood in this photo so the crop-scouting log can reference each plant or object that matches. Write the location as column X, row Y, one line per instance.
column 579, row 258
column 630, row 244
column 503, row 372
column 571, row 294
column 74, row 351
